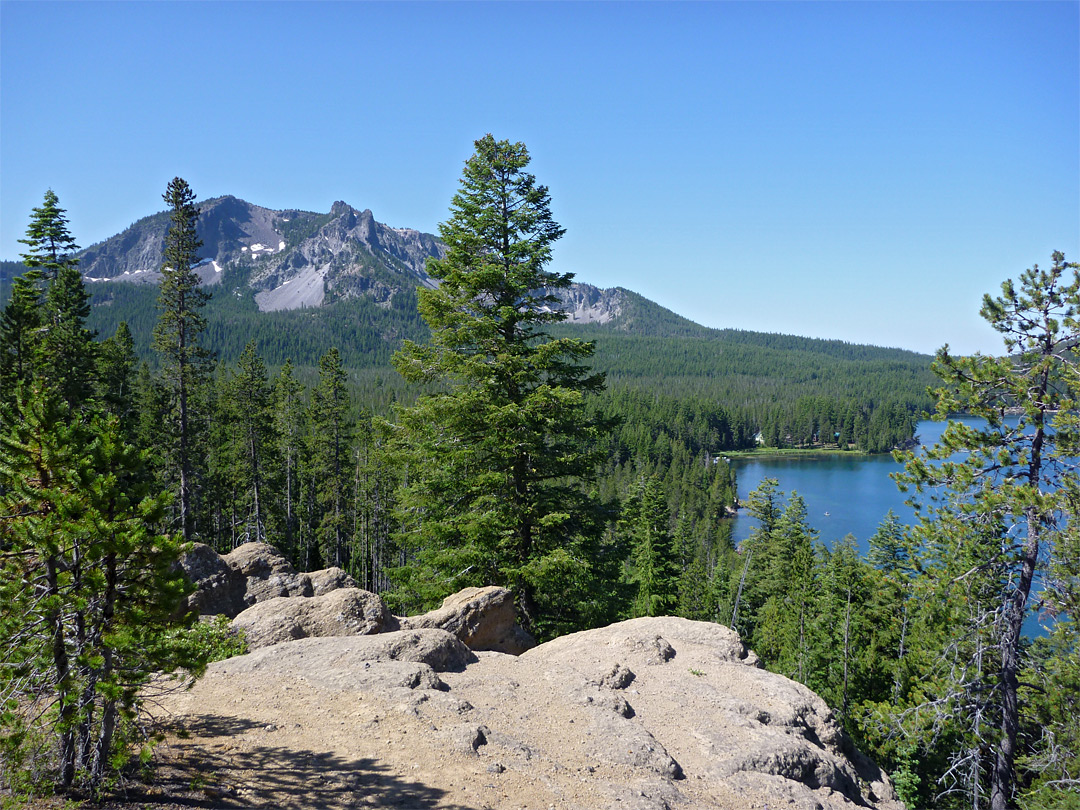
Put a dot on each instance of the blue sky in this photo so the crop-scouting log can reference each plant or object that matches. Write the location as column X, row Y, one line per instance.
column 861, row 171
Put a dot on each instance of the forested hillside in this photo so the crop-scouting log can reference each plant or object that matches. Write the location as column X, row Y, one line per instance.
column 794, row 391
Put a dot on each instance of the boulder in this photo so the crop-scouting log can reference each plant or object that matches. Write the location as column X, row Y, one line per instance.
column 725, row 718
column 267, row 574
column 219, row 588
column 249, row 574
column 329, row 579
column 380, row 664
column 342, row 612
column 483, row 618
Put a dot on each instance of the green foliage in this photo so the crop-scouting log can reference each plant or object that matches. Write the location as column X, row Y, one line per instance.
column 997, row 508
column 203, row 642
column 249, row 466
column 43, row 328
column 495, row 463
column 290, row 429
column 21, row 324
column 87, row 582
column 176, row 339
column 331, row 435
column 654, row 568
column 50, row 246
column 67, row 354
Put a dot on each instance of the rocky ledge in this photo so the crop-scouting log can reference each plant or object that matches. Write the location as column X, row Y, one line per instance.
column 653, row 713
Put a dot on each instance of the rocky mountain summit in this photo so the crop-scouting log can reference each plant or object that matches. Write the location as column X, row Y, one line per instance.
column 661, row 713
column 291, row 259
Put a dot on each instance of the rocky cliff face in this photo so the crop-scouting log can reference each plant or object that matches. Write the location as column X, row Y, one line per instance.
column 343, row 253
column 292, row 259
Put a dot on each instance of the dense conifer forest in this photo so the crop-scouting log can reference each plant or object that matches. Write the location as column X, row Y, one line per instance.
column 464, row 435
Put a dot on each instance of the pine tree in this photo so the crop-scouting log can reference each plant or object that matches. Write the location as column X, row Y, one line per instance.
column 116, row 370
column 89, row 588
column 21, row 325
column 331, row 438
column 290, row 425
column 1004, row 501
column 785, row 585
column 250, row 445
column 176, row 338
column 68, row 353
column 44, row 325
column 373, row 507
column 495, row 464
column 763, row 503
column 890, row 546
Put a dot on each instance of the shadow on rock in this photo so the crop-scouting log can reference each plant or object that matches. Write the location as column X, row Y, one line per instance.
column 202, row 761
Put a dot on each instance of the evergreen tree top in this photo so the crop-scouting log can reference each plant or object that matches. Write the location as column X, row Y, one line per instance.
column 500, row 234
column 50, row 243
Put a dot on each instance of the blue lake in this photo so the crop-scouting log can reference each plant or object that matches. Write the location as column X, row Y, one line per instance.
column 843, row 494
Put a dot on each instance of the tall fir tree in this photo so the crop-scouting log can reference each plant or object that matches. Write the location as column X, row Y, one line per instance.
column 290, row 426
column 50, row 246
column 21, row 325
column 373, row 489
column 250, row 445
column 68, row 352
column 176, row 338
column 44, row 326
column 116, row 372
column 498, row 463
column 331, row 438
column 654, row 571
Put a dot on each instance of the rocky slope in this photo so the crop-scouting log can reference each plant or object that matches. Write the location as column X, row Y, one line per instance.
column 654, row 714
column 292, row 259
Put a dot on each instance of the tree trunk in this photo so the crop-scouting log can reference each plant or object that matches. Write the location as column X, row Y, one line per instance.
column 62, row 668
column 185, row 464
column 1001, row 789
column 108, row 712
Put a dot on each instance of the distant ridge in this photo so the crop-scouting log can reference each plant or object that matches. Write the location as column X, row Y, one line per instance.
column 300, row 281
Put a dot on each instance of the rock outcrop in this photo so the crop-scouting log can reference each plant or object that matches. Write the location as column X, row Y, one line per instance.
column 256, row 587
column 653, row 714
column 249, row 574
column 219, row 588
column 341, row 612
column 483, row 618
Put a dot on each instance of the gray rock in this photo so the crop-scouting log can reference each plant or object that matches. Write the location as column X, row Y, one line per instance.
column 619, row 677
column 707, row 727
column 343, row 612
column 218, row 587
column 266, row 573
column 438, row 649
column 725, row 719
column 483, row 618
column 335, row 665
column 329, row 579
column 249, row 574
